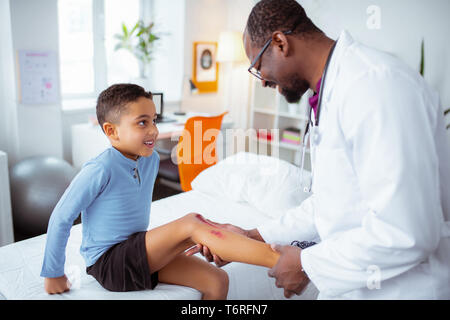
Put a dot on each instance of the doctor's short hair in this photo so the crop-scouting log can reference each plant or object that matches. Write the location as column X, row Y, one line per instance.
column 112, row 102
column 268, row 16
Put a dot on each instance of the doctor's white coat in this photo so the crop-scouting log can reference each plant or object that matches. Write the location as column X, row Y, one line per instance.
column 380, row 204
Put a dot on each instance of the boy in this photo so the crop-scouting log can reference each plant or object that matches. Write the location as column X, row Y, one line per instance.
column 113, row 193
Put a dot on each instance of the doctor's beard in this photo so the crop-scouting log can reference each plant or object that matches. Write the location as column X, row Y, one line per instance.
column 295, row 91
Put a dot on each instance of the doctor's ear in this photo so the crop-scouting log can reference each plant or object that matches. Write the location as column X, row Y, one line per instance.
column 281, row 42
column 110, row 130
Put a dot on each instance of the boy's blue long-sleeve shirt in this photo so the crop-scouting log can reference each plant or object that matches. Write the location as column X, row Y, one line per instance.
column 114, row 200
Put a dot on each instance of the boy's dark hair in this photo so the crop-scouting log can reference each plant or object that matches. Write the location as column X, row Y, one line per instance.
column 268, row 16
column 112, row 102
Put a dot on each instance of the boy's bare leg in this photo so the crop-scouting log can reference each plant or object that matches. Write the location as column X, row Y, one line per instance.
column 196, row 273
column 232, row 246
column 166, row 242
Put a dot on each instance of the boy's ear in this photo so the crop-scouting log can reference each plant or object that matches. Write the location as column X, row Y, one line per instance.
column 110, row 131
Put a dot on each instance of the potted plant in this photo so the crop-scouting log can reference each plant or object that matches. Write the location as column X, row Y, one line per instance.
column 140, row 41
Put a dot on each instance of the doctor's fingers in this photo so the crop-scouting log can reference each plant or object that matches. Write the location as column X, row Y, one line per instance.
column 296, row 288
column 298, row 291
column 211, row 257
column 301, row 288
column 193, row 250
column 204, row 251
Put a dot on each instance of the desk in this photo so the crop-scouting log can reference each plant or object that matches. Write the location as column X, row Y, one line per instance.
column 88, row 140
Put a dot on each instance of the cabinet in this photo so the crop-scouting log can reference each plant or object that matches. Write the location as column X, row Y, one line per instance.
column 270, row 113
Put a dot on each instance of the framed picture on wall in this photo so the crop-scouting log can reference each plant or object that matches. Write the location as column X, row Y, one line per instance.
column 205, row 66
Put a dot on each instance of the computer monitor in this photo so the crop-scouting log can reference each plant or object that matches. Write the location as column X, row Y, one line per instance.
column 158, row 100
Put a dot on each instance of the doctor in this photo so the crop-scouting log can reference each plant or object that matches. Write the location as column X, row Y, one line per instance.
column 380, row 204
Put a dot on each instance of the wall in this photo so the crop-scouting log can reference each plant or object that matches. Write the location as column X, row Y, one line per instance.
column 403, row 24
column 204, row 21
column 35, row 27
column 8, row 112
column 167, row 71
column 6, row 223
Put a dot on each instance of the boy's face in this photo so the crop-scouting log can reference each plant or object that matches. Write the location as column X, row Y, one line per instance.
column 135, row 135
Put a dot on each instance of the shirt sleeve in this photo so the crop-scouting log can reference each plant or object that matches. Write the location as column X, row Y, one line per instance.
column 82, row 191
column 296, row 224
column 388, row 129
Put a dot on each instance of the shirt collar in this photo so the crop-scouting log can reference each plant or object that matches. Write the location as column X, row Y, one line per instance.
column 342, row 43
column 124, row 160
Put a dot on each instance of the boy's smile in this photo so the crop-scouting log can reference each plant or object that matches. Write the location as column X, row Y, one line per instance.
column 135, row 134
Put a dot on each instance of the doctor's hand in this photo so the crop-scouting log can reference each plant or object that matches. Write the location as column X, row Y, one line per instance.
column 204, row 251
column 288, row 271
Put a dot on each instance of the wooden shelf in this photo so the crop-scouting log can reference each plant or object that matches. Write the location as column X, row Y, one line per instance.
column 265, row 111
column 284, row 145
column 293, row 116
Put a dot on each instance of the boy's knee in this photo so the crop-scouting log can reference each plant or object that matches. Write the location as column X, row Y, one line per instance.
column 218, row 285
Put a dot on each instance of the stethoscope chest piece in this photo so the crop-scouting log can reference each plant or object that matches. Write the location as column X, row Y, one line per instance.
column 315, row 136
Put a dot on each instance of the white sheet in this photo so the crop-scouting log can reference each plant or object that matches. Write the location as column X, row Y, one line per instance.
column 20, row 263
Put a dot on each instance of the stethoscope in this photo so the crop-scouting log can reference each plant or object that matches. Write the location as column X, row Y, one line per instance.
column 313, row 123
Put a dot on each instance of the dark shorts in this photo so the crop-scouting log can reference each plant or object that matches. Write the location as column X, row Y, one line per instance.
column 124, row 267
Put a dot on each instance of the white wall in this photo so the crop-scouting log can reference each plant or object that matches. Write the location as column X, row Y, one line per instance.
column 8, row 113
column 6, row 223
column 204, row 21
column 170, row 19
column 403, row 24
column 35, row 27
column 236, row 80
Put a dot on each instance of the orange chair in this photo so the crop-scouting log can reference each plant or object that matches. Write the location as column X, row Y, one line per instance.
column 195, row 151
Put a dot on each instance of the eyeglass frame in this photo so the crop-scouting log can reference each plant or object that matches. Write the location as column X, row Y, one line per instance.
column 257, row 74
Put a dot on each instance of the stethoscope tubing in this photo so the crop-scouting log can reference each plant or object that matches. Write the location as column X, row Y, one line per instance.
column 311, row 123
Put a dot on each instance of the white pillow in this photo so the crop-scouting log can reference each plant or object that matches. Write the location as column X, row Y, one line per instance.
column 270, row 184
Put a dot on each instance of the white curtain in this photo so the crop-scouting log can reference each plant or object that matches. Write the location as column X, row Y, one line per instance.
column 8, row 104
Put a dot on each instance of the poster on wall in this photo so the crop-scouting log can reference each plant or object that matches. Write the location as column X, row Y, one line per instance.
column 205, row 67
column 38, row 77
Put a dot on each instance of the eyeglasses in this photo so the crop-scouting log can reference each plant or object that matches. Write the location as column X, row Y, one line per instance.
column 254, row 71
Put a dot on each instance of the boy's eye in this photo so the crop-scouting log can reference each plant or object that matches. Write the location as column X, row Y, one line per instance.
column 142, row 123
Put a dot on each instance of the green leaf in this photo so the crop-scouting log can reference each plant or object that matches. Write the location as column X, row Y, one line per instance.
column 140, row 40
column 124, row 29
column 422, row 58
column 135, row 27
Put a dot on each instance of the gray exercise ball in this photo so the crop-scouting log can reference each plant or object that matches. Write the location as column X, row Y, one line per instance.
column 37, row 184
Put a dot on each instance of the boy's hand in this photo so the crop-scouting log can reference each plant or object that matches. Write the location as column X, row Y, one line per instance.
column 57, row 285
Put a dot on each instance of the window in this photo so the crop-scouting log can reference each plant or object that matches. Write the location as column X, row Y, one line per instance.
column 88, row 61
column 122, row 66
column 76, row 47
